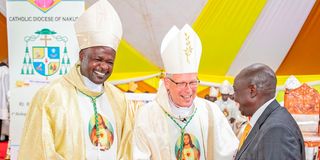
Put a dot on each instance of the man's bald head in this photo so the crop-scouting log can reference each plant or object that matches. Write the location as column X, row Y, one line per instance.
column 254, row 85
column 260, row 75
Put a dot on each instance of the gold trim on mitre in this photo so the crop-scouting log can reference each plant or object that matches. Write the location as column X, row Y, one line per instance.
column 188, row 50
column 181, row 50
column 99, row 25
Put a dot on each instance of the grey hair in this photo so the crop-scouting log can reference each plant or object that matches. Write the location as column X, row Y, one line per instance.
column 262, row 76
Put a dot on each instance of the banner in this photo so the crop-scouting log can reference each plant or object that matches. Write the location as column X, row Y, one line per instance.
column 42, row 46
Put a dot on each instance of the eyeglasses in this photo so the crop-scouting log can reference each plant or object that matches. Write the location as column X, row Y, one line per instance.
column 192, row 84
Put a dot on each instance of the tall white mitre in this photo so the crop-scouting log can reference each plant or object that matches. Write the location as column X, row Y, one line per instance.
column 225, row 87
column 292, row 83
column 213, row 92
column 99, row 25
column 181, row 50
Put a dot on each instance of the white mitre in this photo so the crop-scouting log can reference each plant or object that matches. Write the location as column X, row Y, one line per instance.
column 213, row 92
column 225, row 87
column 292, row 83
column 181, row 50
column 99, row 25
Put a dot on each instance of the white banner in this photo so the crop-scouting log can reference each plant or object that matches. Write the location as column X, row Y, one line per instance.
column 42, row 47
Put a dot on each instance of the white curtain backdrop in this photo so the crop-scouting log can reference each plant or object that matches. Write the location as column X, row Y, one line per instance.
column 282, row 18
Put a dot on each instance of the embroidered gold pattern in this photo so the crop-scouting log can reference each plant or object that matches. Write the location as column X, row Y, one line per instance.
column 188, row 49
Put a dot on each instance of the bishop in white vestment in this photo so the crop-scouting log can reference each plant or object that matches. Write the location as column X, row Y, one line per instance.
column 178, row 124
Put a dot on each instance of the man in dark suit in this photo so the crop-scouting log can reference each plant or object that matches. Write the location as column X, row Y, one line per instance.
column 274, row 134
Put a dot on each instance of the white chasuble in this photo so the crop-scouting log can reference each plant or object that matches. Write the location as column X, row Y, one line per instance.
column 157, row 136
column 100, row 140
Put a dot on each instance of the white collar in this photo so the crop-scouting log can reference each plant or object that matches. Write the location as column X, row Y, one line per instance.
column 181, row 112
column 258, row 113
column 92, row 86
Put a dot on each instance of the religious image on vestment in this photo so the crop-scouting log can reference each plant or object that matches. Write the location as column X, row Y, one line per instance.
column 190, row 147
column 105, row 132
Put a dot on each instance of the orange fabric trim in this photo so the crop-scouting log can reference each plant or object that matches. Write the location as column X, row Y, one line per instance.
column 303, row 57
column 3, row 38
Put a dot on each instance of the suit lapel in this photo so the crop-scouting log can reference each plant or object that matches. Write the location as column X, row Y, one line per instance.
column 266, row 113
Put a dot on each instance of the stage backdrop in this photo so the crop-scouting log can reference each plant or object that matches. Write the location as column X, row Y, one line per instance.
column 42, row 46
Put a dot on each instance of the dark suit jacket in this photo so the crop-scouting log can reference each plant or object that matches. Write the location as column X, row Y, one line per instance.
column 275, row 136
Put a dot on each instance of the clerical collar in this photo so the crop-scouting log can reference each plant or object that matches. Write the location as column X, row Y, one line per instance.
column 92, row 86
column 181, row 112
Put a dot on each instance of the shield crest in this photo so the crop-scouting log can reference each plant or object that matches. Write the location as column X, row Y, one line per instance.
column 46, row 59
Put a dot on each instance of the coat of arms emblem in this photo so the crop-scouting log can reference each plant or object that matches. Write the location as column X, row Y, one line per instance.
column 47, row 58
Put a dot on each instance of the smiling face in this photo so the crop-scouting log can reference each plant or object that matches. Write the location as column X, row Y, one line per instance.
column 253, row 87
column 243, row 97
column 96, row 63
column 182, row 94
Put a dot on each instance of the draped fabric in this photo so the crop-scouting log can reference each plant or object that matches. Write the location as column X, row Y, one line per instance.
column 282, row 34
column 273, row 34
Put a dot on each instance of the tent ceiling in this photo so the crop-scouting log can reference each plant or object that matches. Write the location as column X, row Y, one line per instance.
column 303, row 57
column 232, row 33
column 223, row 27
column 273, row 34
column 145, row 22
